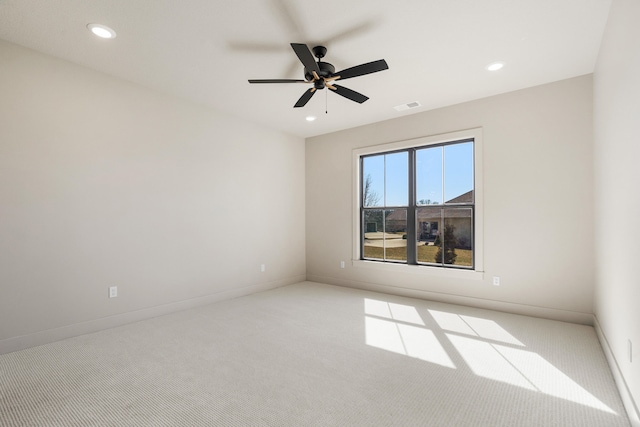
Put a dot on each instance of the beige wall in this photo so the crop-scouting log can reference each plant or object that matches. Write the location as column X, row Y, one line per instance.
column 537, row 174
column 617, row 198
column 105, row 183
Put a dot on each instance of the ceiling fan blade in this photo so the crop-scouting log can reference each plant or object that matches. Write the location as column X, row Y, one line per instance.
column 361, row 70
column 277, row 81
column 305, row 98
column 305, row 56
column 290, row 18
column 348, row 93
column 256, row 46
column 349, row 32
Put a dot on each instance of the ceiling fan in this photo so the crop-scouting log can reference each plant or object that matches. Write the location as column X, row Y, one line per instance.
column 322, row 74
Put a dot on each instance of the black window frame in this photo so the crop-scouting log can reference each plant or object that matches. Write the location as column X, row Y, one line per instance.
column 412, row 207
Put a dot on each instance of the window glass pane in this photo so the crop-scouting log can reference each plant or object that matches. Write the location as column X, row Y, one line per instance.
column 427, row 234
column 458, row 173
column 397, row 179
column 429, row 176
column 373, row 181
column 395, row 236
column 458, row 237
column 373, row 226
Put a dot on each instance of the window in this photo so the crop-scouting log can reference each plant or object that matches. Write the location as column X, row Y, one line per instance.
column 417, row 203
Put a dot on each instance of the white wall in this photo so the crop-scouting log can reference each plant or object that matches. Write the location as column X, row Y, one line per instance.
column 105, row 183
column 538, row 224
column 617, row 198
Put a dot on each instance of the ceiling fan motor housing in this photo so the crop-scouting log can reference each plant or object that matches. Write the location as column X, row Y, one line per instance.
column 326, row 70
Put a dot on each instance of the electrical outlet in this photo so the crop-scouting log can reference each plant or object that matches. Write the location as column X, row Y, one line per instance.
column 496, row 281
column 263, row 268
column 341, row 264
column 113, row 291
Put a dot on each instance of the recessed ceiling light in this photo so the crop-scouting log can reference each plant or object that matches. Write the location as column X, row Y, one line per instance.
column 495, row 66
column 102, row 31
column 310, row 118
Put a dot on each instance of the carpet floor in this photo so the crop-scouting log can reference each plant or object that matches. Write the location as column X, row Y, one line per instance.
column 317, row 355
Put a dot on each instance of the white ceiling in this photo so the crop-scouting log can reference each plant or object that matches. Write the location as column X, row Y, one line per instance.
column 205, row 50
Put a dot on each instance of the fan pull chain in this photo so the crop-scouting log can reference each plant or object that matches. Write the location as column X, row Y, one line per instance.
column 326, row 95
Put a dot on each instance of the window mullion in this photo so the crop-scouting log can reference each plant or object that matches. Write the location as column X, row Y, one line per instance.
column 384, row 209
column 443, row 178
column 412, row 256
column 444, row 198
column 362, row 224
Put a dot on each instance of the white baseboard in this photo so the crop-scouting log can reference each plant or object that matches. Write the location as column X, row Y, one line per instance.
column 627, row 399
column 507, row 307
column 51, row 335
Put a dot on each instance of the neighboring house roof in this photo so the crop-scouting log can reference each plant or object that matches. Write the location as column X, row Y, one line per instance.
column 463, row 198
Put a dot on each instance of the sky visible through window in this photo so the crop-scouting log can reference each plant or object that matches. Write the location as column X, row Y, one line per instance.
column 388, row 175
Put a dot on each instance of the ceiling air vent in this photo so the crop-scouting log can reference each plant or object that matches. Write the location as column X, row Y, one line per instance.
column 410, row 105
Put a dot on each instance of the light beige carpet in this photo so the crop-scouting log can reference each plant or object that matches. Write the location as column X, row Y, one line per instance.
column 317, row 355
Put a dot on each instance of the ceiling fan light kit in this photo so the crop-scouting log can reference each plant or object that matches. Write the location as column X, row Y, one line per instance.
column 323, row 75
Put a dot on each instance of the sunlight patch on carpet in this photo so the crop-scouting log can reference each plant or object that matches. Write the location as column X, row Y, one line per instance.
column 487, row 349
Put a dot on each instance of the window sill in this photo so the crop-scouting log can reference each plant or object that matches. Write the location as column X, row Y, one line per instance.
column 423, row 270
